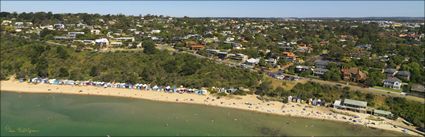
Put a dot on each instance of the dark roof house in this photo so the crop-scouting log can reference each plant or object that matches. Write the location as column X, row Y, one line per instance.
column 321, row 63
column 319, row 71
column 404, row 75
column 390, row 71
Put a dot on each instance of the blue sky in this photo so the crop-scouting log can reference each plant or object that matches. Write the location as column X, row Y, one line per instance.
column 227, row 8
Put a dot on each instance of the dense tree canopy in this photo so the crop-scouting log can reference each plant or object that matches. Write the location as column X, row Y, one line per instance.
column 158, row 67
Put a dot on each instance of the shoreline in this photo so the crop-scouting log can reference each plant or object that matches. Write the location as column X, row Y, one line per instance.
column 246, row 103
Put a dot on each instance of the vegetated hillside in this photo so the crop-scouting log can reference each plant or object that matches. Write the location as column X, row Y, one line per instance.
column 30, row 59
column 410, row 110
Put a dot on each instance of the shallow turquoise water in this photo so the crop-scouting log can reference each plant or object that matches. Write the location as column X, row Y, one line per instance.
column 59, row 115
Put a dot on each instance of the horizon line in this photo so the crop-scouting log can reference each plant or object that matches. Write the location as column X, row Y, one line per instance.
column 103, row 14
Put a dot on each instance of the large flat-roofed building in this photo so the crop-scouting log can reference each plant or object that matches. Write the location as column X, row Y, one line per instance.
column 354, row 105
column 382, row 113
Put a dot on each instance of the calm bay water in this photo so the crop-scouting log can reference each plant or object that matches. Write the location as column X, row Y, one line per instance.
column 54, row 114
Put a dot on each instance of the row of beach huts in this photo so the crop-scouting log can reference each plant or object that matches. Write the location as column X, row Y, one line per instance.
column 312, row 101
column 138, row 86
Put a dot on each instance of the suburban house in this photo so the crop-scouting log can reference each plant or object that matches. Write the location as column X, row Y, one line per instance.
column 74, row 34
column 392, row 82
column 390, row 72
column 230, row 39
column 197, row 47
column 102, row 42
column 289, row 56
column 28, row 24
column 131, row 39
column 353, row 74
column 155, row 31
column 250, row 63
column 237, row 45
column 319, row 71
column 82, row 25
column 6, row 22
column 300, row 68
column 19, row 25
column 278, row 75
column 286, row 47
column 156, row 38
column 86, row 42
column 403, row 75
column 210, row 40
column 350, row 104
column 212, row 52
column 253, row 61
column 384, row 58
column 272, row 61
column 321, row 64
column 49, row 27
column 95, row 31
column 59, row 26
column 116, row 43
column 364, row 46
column 303, row 48
column 239, row 57
column 222, row 55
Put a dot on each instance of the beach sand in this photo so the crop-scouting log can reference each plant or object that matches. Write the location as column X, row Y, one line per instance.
column 248, row 102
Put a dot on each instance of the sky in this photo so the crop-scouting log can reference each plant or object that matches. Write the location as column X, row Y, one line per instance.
column 227, row 8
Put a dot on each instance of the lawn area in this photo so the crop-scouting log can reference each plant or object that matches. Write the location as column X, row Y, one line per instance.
column 387, row 89
column 288, row 85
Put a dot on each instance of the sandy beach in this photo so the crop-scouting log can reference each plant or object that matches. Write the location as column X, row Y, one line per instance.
column 248, row 102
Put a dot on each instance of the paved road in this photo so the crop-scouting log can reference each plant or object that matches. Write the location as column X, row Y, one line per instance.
column 366, row 90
